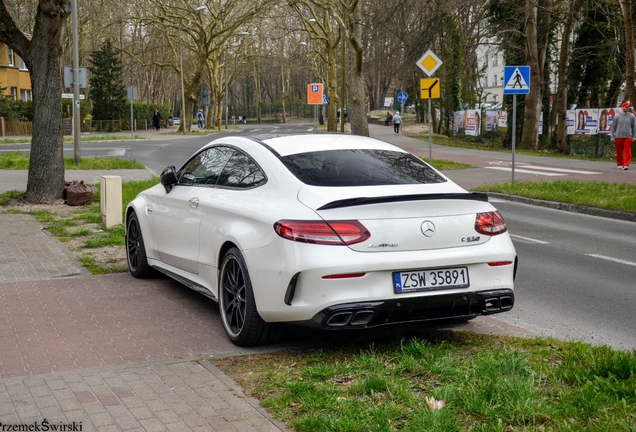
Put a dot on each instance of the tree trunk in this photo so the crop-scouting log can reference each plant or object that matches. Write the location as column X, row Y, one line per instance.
column 563, row 71
column 332, row 89
column 357, row 102
column 259, row 92
column 42, row 55
column 537, row 29
column 626, row 9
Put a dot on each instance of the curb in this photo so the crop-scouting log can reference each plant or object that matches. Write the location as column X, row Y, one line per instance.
column 592, row 211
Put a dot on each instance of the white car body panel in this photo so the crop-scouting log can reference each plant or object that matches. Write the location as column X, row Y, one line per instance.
column 187, row 241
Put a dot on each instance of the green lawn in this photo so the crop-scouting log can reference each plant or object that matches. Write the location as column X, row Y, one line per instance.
column 70, row 139
column 381, row 382
column 20, row 161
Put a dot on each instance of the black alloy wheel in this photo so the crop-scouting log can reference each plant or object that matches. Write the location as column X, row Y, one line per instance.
column 242, row 324
column 135, row 249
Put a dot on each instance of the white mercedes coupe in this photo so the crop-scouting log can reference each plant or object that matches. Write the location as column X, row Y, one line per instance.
column 326, row 230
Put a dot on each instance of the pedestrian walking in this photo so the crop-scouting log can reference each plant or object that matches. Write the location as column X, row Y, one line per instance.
column 200, row 118
column 623, row 132
column 397, row 121
column 156, row 119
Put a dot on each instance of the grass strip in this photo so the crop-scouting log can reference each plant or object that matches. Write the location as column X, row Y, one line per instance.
column 380, row 381
column 20, row 161
column 610, row 196
column 444, row 164
column 68, row 139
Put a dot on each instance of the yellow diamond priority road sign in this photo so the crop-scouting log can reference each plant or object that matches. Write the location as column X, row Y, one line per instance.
column 429, row 63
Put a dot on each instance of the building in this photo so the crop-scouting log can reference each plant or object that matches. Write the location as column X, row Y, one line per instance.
column 491, row 66
column 14, row 75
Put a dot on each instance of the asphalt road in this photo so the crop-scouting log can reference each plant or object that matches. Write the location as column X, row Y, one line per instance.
column 576, row 277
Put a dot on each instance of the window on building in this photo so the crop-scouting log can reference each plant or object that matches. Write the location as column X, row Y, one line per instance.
column 26, row 95
column 495, row 61
column 494, row 81
column 486, row 81
column 11, row 57
column 14, row 93
column 22, row 64
column 486, row 61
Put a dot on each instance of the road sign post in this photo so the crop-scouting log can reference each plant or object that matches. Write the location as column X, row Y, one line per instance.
column 429, row 89
column 402, row 97
column 429, row 63
column 516, row 81
column 315, row 97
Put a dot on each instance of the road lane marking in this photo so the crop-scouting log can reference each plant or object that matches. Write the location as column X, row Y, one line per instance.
column 528, row 239
column 525, row 171
column 564, row 170
column 616, row 260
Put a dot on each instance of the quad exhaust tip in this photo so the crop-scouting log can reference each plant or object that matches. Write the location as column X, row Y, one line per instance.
column 349, row 318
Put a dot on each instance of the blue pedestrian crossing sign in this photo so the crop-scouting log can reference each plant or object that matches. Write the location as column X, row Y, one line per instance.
column 402, row 97
column 325, row 99
column 516, row 80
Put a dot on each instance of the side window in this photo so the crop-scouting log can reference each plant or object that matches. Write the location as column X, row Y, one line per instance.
column 205, row 168
column 242, row 172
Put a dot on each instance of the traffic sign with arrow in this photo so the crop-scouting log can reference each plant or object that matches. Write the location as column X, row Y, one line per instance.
column 430, row 88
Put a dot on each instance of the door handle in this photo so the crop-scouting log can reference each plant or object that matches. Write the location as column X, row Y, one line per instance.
column 194, row 202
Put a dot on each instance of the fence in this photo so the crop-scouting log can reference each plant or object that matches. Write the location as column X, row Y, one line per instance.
column 14, row 127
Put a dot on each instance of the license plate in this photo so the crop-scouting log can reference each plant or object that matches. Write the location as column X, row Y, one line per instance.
column 433, row 279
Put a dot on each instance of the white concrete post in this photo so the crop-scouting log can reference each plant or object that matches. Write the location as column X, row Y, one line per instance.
column 110, row 200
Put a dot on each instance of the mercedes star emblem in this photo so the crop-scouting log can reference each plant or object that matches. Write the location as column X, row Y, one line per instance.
column 428, row 228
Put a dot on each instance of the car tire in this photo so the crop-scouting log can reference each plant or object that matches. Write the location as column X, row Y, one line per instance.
column 136, row 250
column 241, row 321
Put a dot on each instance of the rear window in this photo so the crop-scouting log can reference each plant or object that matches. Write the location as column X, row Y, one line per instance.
column 360, row 168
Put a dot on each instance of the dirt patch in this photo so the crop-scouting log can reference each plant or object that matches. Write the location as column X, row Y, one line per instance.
column 417, row 129
column 79, row 230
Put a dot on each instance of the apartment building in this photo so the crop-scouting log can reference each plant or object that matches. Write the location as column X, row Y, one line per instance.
column 491, row 66
column 14, row 75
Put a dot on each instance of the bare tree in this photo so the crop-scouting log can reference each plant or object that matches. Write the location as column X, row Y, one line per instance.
column 318, row 22
column 194, row 35
column 570, row 10
column 537, row 28
column 626, row 9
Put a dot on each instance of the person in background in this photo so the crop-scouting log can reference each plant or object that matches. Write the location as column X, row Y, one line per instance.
column 397, row 121
column 200, row 118
column 156, row 119
column 623, row 132
column 388, row 118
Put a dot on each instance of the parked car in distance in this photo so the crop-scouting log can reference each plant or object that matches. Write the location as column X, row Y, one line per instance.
column 325, row 230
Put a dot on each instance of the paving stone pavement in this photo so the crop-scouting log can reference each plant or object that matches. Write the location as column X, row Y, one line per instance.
column 28, row 253
column 184, row 395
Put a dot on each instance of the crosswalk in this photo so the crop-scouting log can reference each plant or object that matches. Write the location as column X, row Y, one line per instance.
column 541, row 170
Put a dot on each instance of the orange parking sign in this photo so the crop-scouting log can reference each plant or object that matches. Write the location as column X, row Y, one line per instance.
column 314, row 94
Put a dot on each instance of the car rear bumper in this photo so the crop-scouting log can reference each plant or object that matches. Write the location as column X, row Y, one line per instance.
column 402, row 310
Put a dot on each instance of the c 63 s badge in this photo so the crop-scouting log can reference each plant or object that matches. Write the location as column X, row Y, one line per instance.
column 470, row 239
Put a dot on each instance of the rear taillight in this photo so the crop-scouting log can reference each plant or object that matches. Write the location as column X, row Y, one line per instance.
column 490, row 223
column 345, row 232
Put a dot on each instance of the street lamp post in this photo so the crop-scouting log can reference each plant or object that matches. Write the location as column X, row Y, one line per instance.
column 227, row 105
column 76, row 98
column 182, row 86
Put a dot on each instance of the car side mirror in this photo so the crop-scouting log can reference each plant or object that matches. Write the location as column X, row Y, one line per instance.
column 169, row 178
